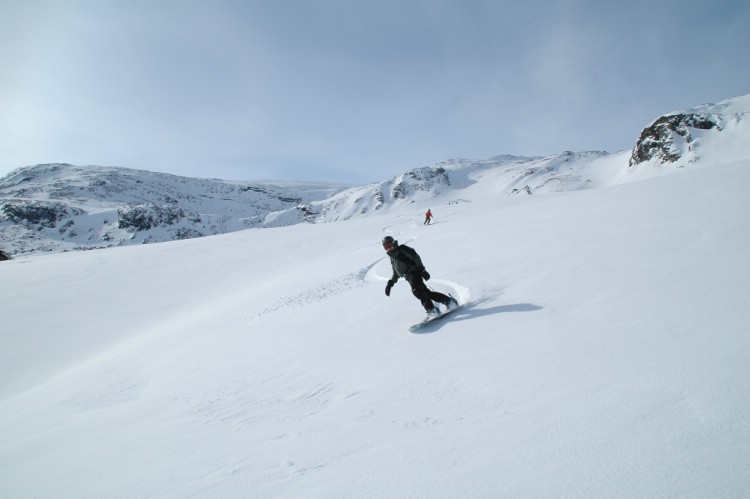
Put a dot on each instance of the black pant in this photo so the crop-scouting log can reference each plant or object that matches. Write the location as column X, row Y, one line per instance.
column 425, row 294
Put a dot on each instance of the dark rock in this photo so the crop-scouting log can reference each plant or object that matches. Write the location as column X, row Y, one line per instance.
column 656, row 140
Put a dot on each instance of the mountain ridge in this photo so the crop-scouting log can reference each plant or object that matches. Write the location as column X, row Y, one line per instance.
column 63, row 207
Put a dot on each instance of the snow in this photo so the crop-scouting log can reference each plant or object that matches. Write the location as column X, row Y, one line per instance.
column 602, row 351
column 62, row 207
column 735, row 105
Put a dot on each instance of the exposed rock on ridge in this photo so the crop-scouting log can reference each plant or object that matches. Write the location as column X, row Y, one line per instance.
column 678, row 139
column 670, row 137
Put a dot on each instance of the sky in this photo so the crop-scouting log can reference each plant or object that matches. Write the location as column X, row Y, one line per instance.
column 347, row 90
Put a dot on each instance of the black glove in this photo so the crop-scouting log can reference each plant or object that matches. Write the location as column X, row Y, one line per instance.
column 388, row 287
column 425, row 275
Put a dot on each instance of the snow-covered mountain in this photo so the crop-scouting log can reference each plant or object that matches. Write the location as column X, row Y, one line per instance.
column 60, row 207
column 64, row 207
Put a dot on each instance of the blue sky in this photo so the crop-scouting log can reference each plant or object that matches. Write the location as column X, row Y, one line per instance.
column 348, row 90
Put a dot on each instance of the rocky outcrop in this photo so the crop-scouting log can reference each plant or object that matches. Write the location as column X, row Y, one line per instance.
column 419, row 180
column 670, row 138
column 36, row 213
column 147, row 216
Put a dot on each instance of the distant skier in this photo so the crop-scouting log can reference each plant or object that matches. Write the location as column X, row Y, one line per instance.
column 427, row 217
column 406, row 263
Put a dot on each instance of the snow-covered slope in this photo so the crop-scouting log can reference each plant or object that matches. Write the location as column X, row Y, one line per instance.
column 602, row 352
column 455, row 179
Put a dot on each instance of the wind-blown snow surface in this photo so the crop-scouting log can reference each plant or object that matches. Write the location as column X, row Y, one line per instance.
column 603, row 352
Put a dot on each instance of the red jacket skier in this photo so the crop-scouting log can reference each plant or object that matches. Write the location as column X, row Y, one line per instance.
column 427, row 217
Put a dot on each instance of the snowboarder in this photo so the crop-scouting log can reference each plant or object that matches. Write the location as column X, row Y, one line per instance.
column 427, row 217
column 406, row 263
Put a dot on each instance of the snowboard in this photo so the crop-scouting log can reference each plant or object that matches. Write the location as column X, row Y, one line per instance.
column 430, row 320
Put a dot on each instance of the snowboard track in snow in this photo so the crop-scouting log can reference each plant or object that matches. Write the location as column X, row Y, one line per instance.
column 319, row 293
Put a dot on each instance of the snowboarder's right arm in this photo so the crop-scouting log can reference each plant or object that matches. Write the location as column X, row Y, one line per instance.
column 390, row 284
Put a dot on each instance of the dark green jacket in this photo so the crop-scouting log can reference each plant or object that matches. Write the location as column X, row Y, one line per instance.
column 404, row 260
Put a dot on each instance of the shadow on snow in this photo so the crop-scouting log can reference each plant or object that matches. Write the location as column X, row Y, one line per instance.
column 470, row 311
